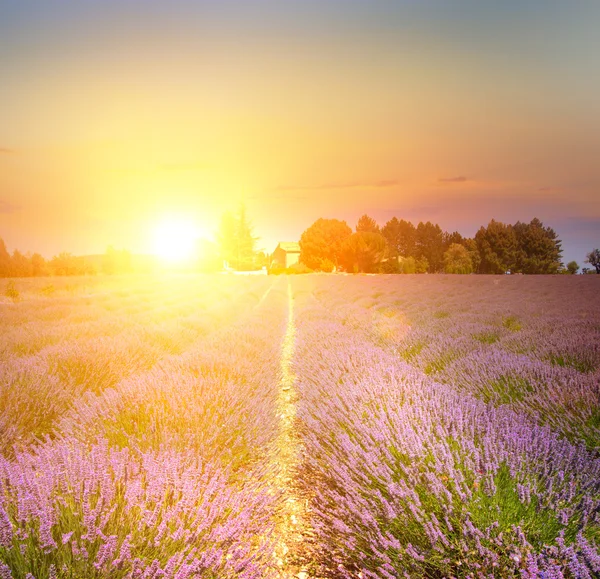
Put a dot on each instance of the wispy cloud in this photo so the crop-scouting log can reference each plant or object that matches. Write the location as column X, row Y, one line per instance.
column 6, row 207
column 6, row 151
column 457, row 179
column 382, row 183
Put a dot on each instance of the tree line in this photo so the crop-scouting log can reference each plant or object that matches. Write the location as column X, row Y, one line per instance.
column 331, row 245
column 19, row 264
column 401, row 247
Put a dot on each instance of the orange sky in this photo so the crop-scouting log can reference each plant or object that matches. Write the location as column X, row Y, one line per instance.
column 114, row 115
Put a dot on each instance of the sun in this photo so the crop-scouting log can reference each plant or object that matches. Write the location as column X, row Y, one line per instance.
column 176, row 240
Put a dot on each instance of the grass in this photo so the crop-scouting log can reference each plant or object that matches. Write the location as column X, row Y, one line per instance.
column 486, row 337
column 540, row 524
column 506, row 389
column 594, row 420
column 11, row 291
column 441, row 314
column 440, row 362
column 412, row 351
column 570, row 361
column 512, row 323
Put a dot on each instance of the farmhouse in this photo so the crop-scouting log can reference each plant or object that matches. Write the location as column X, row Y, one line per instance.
column 286, row 254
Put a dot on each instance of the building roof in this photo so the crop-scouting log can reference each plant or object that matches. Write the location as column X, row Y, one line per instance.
column 289, row 246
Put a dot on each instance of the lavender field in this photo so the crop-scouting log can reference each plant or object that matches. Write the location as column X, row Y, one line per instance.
column 316, row 426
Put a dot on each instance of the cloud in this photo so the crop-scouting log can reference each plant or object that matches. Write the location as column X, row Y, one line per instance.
column 6, row 151
column 458, row 179
column 6, row 207
column 382, row 183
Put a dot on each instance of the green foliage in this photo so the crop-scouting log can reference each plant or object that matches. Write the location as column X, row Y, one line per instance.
column 457, row 260
column 497, row 245
column 454, row 237
column 540, row 524
column 572, row 267
column 67, row 264
column 411, row 352
column 391, row 265
column 322, row 241
column 578, row 362
column 367, row 224
column 362, row 252
column 512, row 323
column 326, row 265
column 471, row 247
column 506, row 389
column 297, row 268
column 5, row 261
column 407, row 265
column 486, row 337
column 19, row 265
column 593, row 258
column 422, row 265
column 400, row 236
column 429, row 245
column 236, row 243
column 412, row 265
column 538, row 250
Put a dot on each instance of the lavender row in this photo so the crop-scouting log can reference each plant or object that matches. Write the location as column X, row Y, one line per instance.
column 163, row 475
column 533, row 346
column 412, row 478
column 37, row 390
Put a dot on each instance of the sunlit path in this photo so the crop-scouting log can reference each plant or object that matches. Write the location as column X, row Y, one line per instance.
column 292, row 527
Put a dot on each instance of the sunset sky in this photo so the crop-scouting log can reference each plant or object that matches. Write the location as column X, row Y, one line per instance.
column 115, row 114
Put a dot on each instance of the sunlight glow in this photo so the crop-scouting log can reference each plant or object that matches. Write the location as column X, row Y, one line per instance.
column 176, row 240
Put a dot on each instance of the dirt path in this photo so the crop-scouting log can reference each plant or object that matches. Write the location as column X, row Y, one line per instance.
column 292, row 528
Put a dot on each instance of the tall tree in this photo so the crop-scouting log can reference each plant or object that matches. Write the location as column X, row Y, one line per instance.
column 363, row 251
column 454, row 237
column 236, row 242
column 539, row 248
column 21, row 265
column 429, row 244
column 5, row 260
column 497, row 244
column 471, row 247
column 38, row 265
column 322, row 243
column 593, row 258
column 366, row 223
column 400, row 235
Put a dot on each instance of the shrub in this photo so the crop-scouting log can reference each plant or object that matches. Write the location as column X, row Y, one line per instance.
column 11, row 291
column 299, row 268
column 390, row 266
column 327, row 265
